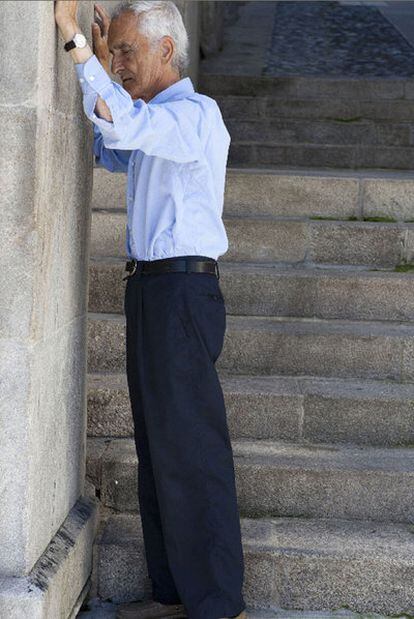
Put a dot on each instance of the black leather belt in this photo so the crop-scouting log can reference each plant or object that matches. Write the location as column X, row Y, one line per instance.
column 184, row 264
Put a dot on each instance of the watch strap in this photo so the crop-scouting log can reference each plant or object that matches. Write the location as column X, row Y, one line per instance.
column 69, row 45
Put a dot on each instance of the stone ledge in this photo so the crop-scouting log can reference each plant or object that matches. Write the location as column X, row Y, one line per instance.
column 58, row 578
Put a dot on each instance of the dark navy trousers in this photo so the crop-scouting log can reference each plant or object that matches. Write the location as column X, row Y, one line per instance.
column 186, row 482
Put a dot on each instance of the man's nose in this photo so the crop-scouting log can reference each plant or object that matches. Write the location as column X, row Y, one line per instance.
column 116, row 65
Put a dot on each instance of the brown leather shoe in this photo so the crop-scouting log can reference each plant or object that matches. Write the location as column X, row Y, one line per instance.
column 242, row 615
column 151, row 610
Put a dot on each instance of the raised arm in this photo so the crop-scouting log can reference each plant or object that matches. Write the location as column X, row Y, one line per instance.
column 154, row 128
column 66, row 19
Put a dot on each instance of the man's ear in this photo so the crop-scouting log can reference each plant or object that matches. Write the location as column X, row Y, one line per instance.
column 167, row 49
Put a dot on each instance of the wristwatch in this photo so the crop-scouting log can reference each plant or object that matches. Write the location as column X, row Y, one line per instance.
column 79, row 40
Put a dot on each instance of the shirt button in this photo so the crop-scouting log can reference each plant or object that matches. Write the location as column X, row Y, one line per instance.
column 81, row 79
column 91, row 77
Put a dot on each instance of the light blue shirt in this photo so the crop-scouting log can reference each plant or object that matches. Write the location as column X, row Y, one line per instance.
column 174, row 149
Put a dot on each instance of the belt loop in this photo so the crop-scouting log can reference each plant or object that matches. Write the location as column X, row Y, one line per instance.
column 217, row 269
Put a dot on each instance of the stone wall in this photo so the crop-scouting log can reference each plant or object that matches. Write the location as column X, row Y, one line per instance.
column 47, row 525
column 46, row 163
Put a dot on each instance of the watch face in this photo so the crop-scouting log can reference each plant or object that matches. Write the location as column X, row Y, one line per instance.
column 80, row 40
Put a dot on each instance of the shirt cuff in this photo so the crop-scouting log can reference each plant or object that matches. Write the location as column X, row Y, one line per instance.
column 92, row 76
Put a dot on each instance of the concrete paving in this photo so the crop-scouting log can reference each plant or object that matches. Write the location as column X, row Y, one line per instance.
column 106, row 610
column 348, row 38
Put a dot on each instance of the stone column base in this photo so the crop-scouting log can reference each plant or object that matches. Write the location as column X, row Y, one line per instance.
column 54, row 586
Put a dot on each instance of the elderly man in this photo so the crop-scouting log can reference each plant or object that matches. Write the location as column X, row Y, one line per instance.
column 173, row 144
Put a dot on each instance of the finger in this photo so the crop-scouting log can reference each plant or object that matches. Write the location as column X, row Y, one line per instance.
column 96, row 34
column 106, row 20
column 103, row 29
column 99, row 26
column 102, row 9
column 102, row 13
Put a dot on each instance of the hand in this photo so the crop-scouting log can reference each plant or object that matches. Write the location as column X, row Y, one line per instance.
column 66, row 14
column 100, row 29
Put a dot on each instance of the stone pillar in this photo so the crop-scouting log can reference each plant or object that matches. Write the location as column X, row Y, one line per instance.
column 46, row 525
column 191, row 17
column 211, row 26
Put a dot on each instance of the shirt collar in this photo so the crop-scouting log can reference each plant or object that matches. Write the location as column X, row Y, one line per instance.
column 178, row 90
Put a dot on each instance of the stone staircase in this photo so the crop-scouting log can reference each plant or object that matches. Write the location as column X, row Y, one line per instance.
column 302, row 121
column 317, row 367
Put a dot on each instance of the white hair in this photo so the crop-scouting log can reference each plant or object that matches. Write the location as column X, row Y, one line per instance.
column 160, row 18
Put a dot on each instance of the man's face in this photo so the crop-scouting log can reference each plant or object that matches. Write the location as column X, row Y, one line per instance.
column 139, row 67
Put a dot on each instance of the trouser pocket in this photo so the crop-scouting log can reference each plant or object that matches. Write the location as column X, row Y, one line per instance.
column 205, row 313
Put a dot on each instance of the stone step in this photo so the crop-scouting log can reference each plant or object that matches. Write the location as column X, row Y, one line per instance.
column 274, row 290
column 365, row 89
column 322, row 132
column 341, row 110
column 279, row 478
column 293, row 193
column 258, row 154
column 365, row 412
column 97, row 609
column 290, row 563
column 268, row 345
column 287, row 240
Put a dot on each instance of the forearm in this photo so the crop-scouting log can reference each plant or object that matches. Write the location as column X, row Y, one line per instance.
column 79, row 56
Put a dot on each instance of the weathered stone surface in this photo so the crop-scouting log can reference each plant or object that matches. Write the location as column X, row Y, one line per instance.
column 365, row 412
column 211, row 27
column 356, row 242
column 290, row 194
column 46, row 189
column 53, row 585
column 371, row 572
column 109, row 189
column 256, row 345
column 409, row 245
column 305, row 87
column 318, row 156
column 277, row 478
column 274, row 290
column 109, row 407
column 388, row 198
column 281, row 239
column 245, row 46
column 291, row 131
column 121, row 561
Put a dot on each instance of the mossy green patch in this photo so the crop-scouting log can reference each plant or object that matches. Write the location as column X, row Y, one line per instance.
column 404, row 268
column 323, row 217
column 380, row 218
